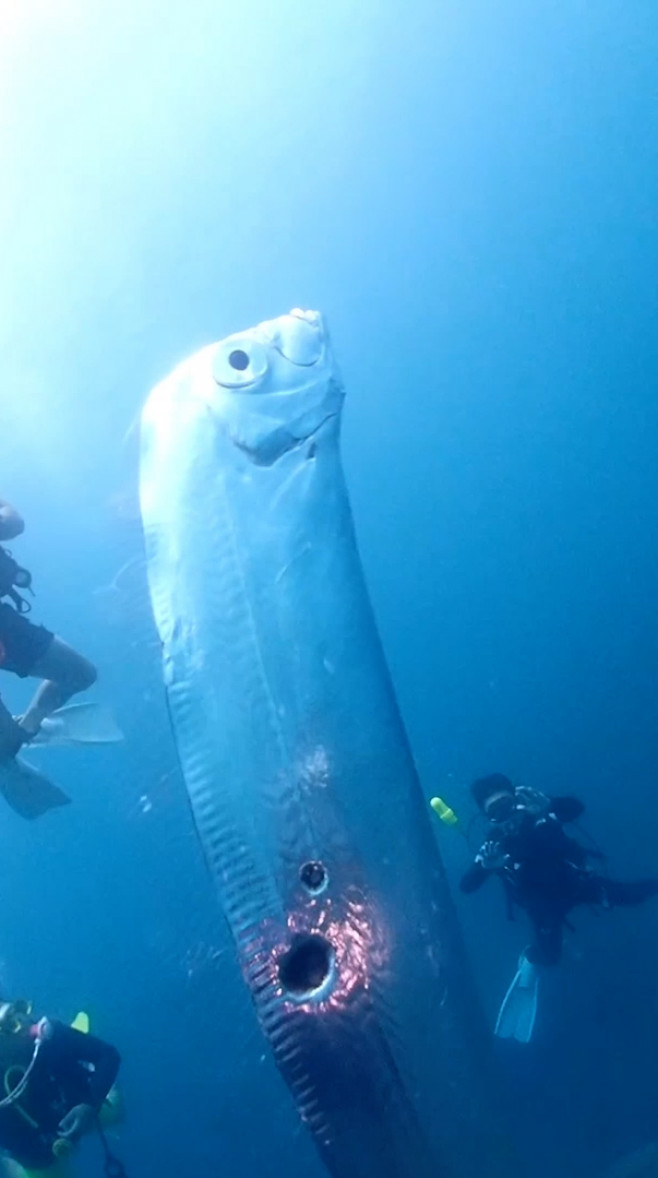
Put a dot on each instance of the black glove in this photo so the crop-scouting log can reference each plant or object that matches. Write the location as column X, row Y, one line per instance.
column 531, row 801
column 491, row 855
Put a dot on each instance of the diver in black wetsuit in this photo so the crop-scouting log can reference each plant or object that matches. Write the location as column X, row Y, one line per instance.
column 53, row 1083
column 543, row 870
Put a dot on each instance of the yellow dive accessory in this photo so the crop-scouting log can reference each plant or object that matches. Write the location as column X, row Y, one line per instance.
column 444, row 812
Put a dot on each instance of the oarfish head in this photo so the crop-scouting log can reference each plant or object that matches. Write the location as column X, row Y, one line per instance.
column 273, row 387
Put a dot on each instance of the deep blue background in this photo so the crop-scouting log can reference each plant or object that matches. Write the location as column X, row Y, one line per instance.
column 469, row 192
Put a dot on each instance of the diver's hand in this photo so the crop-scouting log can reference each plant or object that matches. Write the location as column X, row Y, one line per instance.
column 531, row 801
column 77, row 1122
column 491, row 855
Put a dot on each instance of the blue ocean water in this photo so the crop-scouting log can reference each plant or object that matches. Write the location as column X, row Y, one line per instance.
column 468, row 192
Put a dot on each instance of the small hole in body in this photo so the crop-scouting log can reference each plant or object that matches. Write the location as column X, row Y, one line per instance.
column 238, row 360
column 313, row 875
column 306, row 966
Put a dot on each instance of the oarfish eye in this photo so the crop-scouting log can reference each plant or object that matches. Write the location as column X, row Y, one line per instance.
column 299, row 341
column 239, row 363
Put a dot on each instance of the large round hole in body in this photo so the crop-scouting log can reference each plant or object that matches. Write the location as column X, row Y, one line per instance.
column 306, row 965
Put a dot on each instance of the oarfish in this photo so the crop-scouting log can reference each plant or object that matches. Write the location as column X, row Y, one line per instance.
column 297, row 766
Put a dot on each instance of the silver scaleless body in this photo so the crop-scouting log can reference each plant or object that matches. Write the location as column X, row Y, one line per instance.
column 298, row 769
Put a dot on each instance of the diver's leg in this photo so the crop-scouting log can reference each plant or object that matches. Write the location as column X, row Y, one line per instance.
column 22, row 645
column 64, row 673
column 617, row 893
column 614, row 893
column 12, row 735
column 546, row 948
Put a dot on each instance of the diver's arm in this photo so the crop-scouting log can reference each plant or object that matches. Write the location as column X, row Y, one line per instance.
column 11, row 523
column 567, row 809
column 105, row 1059
column 473, row 879
column 491, row 858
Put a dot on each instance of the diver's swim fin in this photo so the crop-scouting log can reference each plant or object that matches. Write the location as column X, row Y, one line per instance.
column 516, row 1017
column 28, row 791
column 78, row 724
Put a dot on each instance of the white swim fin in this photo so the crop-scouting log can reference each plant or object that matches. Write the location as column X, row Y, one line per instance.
column 516, row 1017
column 28, row 791
column 78, row 724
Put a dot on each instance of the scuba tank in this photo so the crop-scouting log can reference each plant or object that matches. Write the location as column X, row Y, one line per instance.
column 12, row 578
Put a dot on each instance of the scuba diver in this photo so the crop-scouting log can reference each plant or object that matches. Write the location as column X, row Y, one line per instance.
column 56, row 1082
column 29, row 650
column 543, row 871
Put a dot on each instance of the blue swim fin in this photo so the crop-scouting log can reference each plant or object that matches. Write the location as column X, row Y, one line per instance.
column 516, row 1017
column 78, row 724
column 28, row 791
